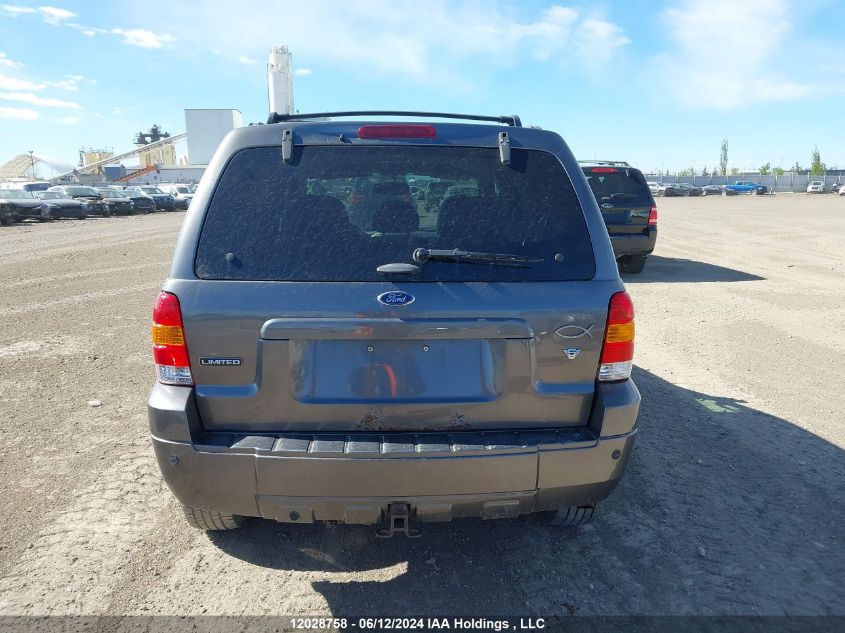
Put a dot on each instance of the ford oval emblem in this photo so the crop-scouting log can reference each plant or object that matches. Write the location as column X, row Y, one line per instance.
column 395, row 298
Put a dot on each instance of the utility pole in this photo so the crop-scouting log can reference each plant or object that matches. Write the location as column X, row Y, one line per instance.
column 31, row 164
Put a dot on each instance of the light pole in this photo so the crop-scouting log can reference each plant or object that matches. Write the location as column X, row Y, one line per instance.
column 32, row 164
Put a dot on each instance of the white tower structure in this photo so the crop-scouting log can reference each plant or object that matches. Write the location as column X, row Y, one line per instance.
column 280, row 80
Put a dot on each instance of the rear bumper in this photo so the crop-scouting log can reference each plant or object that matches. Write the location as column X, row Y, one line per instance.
column 354, row 477
column 636, row 244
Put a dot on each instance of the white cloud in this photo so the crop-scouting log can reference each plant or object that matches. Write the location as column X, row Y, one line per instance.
column 247, row 61
column 8, row 63
column 13, row 83
column 70, row 82
column 54, row 15
column 28, row 97
column 302, row 72
column 393, row 36
column 747, row 35
column 14, row 10
column 51, row 15
column 598, row 40
column 90, row 31
column 22, row 114
column 68, row 120
column 143, row 38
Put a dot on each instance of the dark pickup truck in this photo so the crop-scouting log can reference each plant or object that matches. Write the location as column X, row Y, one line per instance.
column 628, row 209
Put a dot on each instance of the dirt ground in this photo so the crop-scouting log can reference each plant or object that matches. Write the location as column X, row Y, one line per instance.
column 733, row 502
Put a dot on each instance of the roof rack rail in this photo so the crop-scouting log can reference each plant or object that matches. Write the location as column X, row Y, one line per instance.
column 512, row 119
column 614, row 163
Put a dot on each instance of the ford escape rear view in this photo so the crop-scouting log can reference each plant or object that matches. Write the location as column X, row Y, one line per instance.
column 414, row 362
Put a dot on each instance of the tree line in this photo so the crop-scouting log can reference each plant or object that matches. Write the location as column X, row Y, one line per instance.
column 816, row 168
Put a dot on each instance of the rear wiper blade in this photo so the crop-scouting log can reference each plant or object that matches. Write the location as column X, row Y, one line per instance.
column 422, row 255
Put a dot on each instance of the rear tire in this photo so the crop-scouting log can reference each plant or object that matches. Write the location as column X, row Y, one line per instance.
column 632, row 264
column 724, row 193
column 568, row 517
column 755, row 192
column 209, row 520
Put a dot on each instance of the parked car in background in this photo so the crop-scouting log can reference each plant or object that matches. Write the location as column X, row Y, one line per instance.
column 628, row 209
column 461, row 190
column 710, row 190
column 435, row 193
column 38, row 185
column 841, row 190
column 142, row 202
column 656, row 188
column 370, row 194
column 7, row 214
column 673, row 189
column 62, row 206
column 85, row 194
column 746, row 186
column 815, row 186
column 182, row 193
column 19, row 204
column 690, row 190
column 117, row 202
column 162, row 200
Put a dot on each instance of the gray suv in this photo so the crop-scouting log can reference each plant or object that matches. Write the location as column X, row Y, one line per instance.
column 400, row 368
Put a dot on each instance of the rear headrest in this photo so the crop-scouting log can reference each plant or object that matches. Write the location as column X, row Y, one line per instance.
column 307, row 217
column 396, row 216
column 464, row 217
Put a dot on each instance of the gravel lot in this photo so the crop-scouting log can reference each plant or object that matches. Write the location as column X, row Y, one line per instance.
column 733, row 502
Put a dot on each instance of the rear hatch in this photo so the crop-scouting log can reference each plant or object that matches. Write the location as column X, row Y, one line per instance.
column 623, row 196
column 291, row 327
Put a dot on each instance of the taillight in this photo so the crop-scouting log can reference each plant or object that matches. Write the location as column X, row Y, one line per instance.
column 397, row 131
column 652, row 216
column 617, row 353
column 169, row 350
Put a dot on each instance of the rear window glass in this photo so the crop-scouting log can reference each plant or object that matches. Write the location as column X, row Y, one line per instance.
column 82, row 191
column 337, row 213
column 622, row 185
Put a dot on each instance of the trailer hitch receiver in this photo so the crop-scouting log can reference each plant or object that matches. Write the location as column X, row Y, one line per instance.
column 398, row 520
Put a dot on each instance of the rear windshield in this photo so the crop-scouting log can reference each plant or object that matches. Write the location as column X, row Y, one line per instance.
column 621, row 185
column 338, row 213
column 82, row 191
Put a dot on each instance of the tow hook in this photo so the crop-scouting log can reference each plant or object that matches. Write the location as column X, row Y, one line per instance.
column 398, row 520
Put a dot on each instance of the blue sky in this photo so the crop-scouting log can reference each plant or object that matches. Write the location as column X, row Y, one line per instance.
column 657, row 83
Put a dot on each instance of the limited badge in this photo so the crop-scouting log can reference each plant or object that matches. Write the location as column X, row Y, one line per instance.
column 222, row 362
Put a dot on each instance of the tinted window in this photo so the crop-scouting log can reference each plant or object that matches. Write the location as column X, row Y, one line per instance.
column 332, row 216
column 15, row 194
column 82, row 191
column 626, row 186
